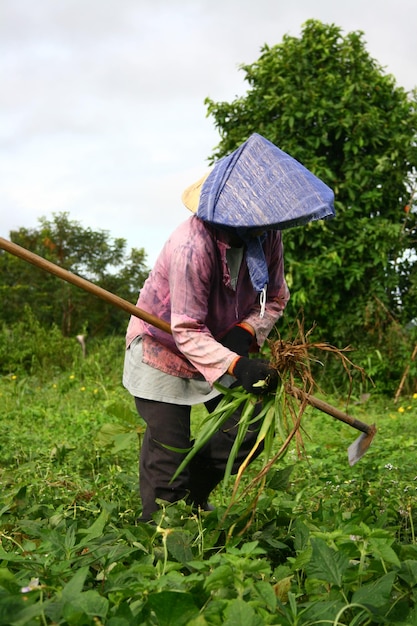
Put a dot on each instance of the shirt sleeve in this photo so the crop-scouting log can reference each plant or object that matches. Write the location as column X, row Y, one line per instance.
column 191, row 277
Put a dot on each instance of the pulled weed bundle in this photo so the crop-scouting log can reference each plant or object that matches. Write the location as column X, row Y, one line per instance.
column 279, row 420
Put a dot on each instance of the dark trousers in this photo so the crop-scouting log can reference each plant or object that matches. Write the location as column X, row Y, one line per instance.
column 169, row 424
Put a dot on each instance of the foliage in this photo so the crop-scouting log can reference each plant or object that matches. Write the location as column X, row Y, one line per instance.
column 26, row 347
column 328, row 544
column 80, row 250
column 325, row 101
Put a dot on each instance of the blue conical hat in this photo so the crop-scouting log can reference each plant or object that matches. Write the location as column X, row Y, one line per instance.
column 259, row 185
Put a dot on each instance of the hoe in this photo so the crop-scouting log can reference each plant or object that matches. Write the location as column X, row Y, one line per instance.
column 355, row 451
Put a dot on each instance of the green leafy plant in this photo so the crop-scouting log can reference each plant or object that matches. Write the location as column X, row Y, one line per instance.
column 326, row 544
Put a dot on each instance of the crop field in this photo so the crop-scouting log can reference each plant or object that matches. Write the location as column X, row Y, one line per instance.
column 323, row 543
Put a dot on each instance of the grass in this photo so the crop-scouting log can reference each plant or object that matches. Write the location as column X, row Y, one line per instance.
column 328, row 544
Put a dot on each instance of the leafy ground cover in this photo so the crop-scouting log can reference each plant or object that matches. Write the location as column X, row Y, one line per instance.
column 327, row 543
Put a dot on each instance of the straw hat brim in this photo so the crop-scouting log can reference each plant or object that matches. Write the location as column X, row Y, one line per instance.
column 191, row 196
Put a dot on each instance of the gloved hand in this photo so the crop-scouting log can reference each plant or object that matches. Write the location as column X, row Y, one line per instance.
column 250, row 372
column 238, row 340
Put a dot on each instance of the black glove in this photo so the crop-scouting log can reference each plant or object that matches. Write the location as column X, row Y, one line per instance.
column 249, row 372
column 238, row 340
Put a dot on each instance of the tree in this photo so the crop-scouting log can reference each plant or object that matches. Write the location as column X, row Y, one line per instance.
column 91, row 254
column 325, row 101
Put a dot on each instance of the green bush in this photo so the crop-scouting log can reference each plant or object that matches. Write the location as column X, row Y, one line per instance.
column 28, row 347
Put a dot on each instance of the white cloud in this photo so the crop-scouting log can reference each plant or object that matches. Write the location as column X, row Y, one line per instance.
column 102, row 109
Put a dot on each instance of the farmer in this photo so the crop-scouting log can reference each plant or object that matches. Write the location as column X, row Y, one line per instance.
column 219, row 282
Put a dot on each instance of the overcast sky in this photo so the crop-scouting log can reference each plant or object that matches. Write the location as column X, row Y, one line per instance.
column 102, row 109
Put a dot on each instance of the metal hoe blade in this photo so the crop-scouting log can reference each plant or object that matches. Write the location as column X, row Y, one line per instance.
column 358, row 448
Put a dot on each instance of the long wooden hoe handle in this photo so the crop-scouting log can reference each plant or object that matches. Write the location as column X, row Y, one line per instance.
column 52, row 268
column 331, row 410
column 76, row 280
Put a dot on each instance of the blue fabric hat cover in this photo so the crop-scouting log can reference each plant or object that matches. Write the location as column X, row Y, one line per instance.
column 260, row 186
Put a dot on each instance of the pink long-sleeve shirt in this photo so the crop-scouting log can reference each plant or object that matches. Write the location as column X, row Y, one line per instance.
column 190, row 288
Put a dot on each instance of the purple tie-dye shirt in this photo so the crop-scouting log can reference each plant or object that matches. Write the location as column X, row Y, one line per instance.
column 190, row 288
